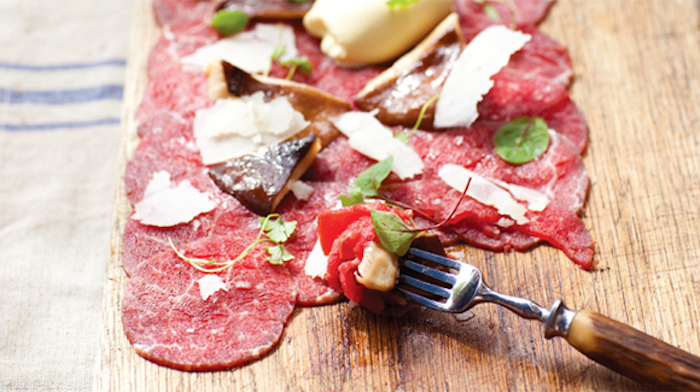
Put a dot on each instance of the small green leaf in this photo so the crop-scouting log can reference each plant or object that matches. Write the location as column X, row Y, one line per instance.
column 278, row 255
column 371, row 179
column 400, row 3
column 393, row 233
column 276, row 229
column 278, row 52
column 229, row 22
column 402, row 137
column 491, row 11
column 302, row 64
column 355, row 197
column 522, row 140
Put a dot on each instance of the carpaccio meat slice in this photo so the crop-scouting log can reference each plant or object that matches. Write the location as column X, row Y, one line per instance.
column 164, row 315
column 169, row 323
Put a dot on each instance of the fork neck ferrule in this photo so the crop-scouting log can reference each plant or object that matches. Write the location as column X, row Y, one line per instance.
column 558, row 320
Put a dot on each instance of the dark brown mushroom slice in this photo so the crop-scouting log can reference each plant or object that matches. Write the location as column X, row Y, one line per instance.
column 260, row 180
column 267, row 9
column 318, row 107
column 400, row 92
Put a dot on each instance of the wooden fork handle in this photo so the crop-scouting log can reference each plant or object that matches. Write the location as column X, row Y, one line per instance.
column 634, row 354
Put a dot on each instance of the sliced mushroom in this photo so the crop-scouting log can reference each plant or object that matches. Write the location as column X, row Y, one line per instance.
column 317, row 106
column 260, row 180
column 267, row 9
column 378, row 269
column 400, row 92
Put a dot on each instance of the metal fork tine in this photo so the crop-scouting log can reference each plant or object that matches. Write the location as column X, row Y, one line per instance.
column 433, row 273
column 425, row 286
column 420, row 300
column 436, row 258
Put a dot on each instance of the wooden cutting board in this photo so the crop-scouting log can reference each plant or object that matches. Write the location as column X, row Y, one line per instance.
column 637, row 80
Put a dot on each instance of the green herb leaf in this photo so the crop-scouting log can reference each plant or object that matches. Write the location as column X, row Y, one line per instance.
column 276, row 229
column 278, row 52
column 229, row 22
column 393, row 233
column 402, row 137
column 301, row 63
column 400, row 3
column 491, row 11
column 371, row 179
column 278, row 255
column 522, row 140
column 355, row 197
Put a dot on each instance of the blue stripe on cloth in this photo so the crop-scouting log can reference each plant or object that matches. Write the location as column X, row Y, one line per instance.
column 62, row 67
column 60, row 97
column 60, row 125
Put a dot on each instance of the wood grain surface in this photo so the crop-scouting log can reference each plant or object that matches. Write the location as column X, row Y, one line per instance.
column 637, row 80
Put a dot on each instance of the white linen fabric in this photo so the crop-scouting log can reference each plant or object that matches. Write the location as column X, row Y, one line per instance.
column 62, row 66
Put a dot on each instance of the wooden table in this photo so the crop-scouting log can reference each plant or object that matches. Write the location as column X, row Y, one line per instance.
column 637, row 80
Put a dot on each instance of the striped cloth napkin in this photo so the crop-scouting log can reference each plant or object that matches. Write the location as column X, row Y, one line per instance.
column 62, row 66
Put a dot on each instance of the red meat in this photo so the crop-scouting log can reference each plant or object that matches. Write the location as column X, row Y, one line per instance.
column 169, row 323
column 164, row 315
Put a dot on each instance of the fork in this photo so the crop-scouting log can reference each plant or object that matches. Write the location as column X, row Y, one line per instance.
column 617, row 346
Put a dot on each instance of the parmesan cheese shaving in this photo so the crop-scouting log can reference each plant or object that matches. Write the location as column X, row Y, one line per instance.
column 483, row 191
column 470, row 79
column 209, row 285
column 371, row 138
column 301, row 190
column 316, row 263
column 165, row 204
column 234, row 127
column 250, row 50
column 536, row 201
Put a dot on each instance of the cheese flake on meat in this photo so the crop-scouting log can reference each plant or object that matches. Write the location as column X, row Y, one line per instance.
column 250, row 50
column 317, row 262
column 234, row 127
column 483, row 191
column 165, row 204
column 536, row 201
column 371, row 138
column 209, row 285
column 470, row 79
column 301, row 190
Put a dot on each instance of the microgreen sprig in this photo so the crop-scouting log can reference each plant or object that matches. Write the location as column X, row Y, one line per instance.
column 368, row 182
column 301, row 63
column 272, row 230
column 403, row 136
column 394, row 234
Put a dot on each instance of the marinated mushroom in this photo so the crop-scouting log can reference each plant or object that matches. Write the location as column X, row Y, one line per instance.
column 378, row 269
column 260, row 180
column 400, row 92
column 317, row 106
